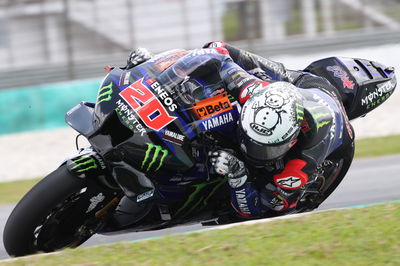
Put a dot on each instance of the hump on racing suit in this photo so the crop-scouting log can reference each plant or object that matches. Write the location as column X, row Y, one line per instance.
column 325, row 133
column 363, row 84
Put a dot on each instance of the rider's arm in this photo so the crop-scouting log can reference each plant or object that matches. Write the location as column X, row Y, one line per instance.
column 204, row 62
column 253, row 196
column 262, row 68
column 244, row 197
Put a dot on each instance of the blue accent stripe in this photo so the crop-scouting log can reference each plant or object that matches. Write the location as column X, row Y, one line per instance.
column 187, row 128
column 183, row 109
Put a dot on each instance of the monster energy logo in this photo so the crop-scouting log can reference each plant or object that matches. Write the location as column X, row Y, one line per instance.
column 84, row 164
column 317, row 116
column 105, row 93
column 151, row 160
column 323, row 123
column 299, row 111
column 200, row 196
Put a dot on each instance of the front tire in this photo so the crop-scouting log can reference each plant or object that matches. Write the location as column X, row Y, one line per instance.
column 50, row 216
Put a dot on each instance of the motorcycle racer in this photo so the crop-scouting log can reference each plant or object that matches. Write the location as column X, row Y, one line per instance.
column 291, row 123
column 189, row 136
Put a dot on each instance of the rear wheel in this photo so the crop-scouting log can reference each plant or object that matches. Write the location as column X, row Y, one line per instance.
column 57, row 212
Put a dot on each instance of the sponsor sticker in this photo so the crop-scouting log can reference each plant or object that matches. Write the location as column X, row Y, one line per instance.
column 147, row 106
column 379, row 95
column 292, row 177
column 250, row 89
column 124, row 79
column 338, row 72
column 242, row 201
column 216, row 121
column 290, row 182
column 128, row 117
column 212, row 106
column 174, row 137
column 154, row 157
column 94, row 201
column 145, row 195
column 83, row 164
column 105, row 93
column 169, row 59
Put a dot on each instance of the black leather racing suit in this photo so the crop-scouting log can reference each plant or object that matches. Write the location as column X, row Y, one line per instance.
column 326, row 137
column 326, row 134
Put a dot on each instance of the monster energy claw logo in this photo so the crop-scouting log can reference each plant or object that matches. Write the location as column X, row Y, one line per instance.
column 322, row 124
column 151, row 160
column 299, row 112
column 84, row 164
column 105, row 93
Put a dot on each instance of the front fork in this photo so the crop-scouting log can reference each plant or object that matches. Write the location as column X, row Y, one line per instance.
column 88, row 164
column 102, row 194
column 118, row 179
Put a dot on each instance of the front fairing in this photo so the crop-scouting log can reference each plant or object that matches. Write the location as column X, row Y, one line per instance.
column 80, row 118
column 122, row 130
column 141, row 116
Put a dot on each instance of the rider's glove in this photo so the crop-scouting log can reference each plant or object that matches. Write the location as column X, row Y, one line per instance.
column 227, row 164
column 137, row 56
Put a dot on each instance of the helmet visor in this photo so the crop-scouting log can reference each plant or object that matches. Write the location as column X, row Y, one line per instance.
column 260, row 154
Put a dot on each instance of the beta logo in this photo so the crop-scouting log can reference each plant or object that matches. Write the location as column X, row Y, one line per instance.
column 146, row 105
column 212, row 106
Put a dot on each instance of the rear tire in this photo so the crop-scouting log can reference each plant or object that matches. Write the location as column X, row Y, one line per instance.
column 47, row 217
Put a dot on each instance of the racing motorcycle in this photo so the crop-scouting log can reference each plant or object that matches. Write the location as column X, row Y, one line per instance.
column 147, row 166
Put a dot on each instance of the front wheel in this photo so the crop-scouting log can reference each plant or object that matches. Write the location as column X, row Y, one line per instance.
column 56, row 213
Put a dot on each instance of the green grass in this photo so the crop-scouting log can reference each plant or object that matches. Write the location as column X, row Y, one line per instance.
column 12, row 192
column 366, row 236
column 231, row 25
column 371, row 147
